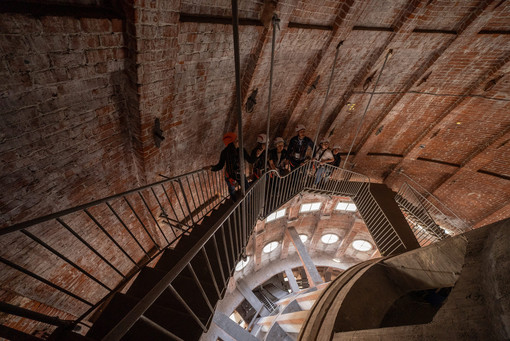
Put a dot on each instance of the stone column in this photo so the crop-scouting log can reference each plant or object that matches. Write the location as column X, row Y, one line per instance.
column 292, row 280
column 311, row 271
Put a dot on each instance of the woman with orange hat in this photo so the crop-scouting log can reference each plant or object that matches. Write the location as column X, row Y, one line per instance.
column 229, row 159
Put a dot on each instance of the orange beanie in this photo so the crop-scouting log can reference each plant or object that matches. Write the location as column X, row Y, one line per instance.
column 229, row 138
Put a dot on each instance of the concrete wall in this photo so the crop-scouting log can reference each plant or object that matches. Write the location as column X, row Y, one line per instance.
column 477, row 307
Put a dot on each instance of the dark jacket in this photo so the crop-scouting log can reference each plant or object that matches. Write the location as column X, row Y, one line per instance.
column 258, row 161
column 273, row 155
column 230, row 157
column 296, row 150
column 336, row 161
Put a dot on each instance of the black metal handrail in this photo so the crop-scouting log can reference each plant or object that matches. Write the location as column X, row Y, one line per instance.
column 194, row 201
column 428, row 217
column 133, row 227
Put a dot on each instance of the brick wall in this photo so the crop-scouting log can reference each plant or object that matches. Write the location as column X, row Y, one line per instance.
column 64, row 135
column 65, row 141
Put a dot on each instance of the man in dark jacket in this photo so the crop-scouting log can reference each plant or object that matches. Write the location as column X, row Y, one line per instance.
column 278, row 157
column 229, row 159
column 258, row 157
column 298, row 145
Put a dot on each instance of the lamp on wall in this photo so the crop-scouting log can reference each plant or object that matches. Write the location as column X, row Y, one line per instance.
column 252, row 100
column 158, row 133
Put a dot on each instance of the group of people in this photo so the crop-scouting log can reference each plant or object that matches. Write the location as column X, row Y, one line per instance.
column 299, row 150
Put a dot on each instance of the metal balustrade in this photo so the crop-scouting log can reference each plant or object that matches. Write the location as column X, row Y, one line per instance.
column 133, row 228
column 238, row 223
column 380, row 227
column 429, row 219
column 156, row 216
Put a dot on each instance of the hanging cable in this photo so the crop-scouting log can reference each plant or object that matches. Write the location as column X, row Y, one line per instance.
column 235, row 26
column 390, row 52
column 276, row 21
column 327, row 94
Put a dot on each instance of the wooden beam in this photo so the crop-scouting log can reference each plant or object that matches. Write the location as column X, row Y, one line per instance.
column 369, row 138
column 219, row 20
column 42, row 9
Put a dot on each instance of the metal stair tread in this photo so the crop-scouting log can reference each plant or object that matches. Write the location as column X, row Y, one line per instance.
column 183, row 283
column 175, row 321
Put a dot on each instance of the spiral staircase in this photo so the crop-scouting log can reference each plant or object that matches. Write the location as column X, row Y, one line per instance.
column 190, row 237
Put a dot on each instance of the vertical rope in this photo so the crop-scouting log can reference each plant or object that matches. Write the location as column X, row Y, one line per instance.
column 325, row 101
column 327, row 93
column 275, row 22
column 366, row 108
column 235, row 25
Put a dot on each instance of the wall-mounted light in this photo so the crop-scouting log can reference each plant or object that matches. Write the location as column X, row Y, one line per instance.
column 369, row 80
column 252, row 100
column 313, row 86
column 158, row 133
column 490, row 84
column 424, row 79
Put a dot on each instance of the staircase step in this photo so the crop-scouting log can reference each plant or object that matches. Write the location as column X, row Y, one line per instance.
column 178, row 323
column 184, row 285
column 149, row 277
column 167, row 310
column 61, row 334
column 170, row 257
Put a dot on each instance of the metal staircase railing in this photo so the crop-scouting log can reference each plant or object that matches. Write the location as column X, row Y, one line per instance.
column 387, row 240
column 174, row 207
column 238, row 222
column 429, row 219
column 133, row 228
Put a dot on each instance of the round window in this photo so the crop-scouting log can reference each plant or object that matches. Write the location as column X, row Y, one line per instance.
column 270, row 247
column 329, row 238
column 362, row 245
column 242, row 264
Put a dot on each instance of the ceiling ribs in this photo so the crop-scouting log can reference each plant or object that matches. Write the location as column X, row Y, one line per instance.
column 476, row 161
column 426, row 30
column 494, row 32
column 410, row 8
column 385, row 154
column 501, row 176
column 413, row 150
column 252, row 65
column 214, row 19
column 368, row 139
column 373, row 28
column 499, row 213
column 310, row 73
column 310, row 26
column 438, row 161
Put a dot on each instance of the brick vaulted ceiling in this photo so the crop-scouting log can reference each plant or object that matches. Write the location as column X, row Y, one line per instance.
column 84, row 80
